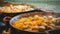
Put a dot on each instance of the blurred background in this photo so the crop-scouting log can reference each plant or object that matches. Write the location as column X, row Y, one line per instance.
column 42, row 4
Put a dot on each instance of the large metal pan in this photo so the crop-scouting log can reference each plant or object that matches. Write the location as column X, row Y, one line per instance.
column 17, row 31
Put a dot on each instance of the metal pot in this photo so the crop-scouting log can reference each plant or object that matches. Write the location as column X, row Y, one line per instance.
column 11, row 14
column 17, row 31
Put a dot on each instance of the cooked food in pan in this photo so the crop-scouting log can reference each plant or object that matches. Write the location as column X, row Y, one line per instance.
column 16, row 8
column 35, row 23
